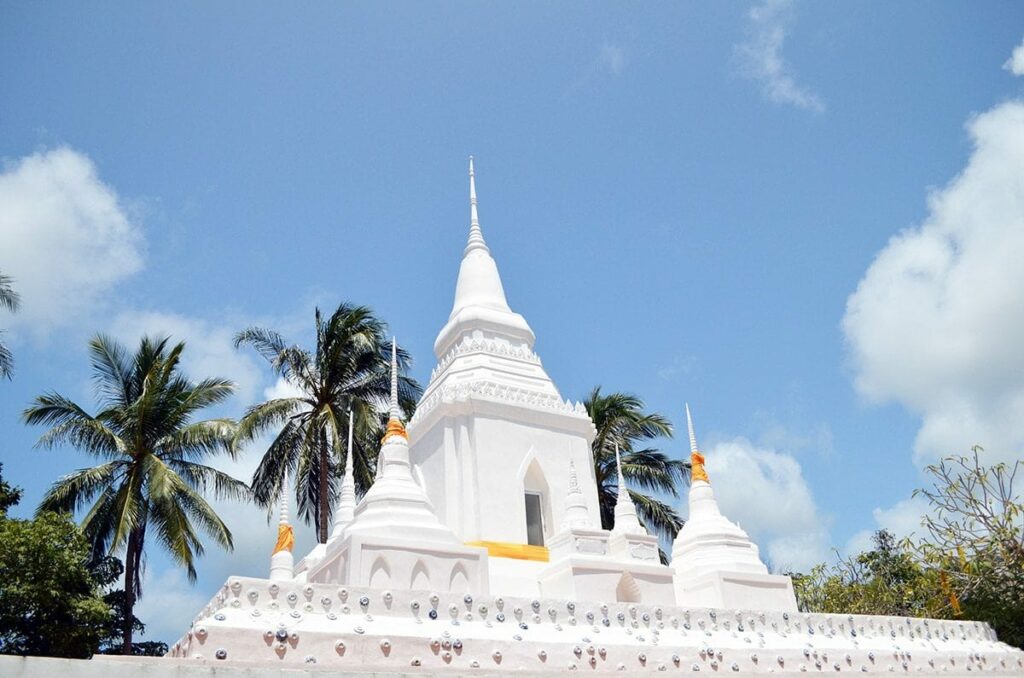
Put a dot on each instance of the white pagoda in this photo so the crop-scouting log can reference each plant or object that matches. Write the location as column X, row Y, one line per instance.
column 479, row 547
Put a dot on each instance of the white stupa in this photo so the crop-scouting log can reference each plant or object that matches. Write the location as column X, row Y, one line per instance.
column 479, row 548
column 716, row 563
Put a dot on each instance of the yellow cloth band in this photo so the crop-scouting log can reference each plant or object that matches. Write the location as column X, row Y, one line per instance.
column 697, row 471
column 395, row 428
column 285, row 538
column 500, row 549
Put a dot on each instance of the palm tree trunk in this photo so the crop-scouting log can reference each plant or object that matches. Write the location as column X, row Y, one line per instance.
column 324, row 489
column 132, row 559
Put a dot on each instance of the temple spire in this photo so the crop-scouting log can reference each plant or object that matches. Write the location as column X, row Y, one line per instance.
column 625, row 512
column 347, row 500
column 395, row 412
column 479, row 296
column 476, row 236
column 697, row 471
column 281, row 560
column 395, row 426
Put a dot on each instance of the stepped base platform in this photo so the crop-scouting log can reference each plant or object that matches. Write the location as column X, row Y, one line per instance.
column 316, row 626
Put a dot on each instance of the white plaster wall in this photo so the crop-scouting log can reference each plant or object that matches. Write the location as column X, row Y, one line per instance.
column 153, row 667
column 473, row 465
column 158, row 667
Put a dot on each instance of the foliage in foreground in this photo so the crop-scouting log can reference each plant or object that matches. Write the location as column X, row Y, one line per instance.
column 968, row 564
column 53, row 602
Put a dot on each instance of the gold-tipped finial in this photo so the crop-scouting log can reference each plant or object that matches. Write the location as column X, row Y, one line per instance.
column 697, row 471
column 395, row 426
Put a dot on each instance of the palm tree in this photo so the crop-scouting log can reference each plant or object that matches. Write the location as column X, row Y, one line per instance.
column 620, row 419
column 348, row 371
column 10, row 300
column 151, row 476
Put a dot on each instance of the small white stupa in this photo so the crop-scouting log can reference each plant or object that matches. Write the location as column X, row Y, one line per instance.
column 394, row 534
column 281, row 560
column 716, row 563
column 345, row 511
column 630, row 539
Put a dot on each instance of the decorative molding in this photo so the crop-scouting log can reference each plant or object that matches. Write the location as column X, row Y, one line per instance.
column 490, row 390
column 489, row 346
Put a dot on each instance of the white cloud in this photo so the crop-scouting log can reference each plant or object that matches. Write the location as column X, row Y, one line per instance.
column 937, row 322
column 765, row 492
column 760, row 56
column 168, row 604
column 614, row 58
column 65, row 237
column 1015, row 64
column 282, row 388
column 902, row 519
column 209, row 347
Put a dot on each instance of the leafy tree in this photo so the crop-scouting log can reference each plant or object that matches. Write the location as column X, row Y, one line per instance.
column 9, row 495
column 50, row 602
column 887, row 580
column 620, row 419
column 10, row 300
column 349, row 370
column 974, row 539
column 151, row 476
column 968, row 564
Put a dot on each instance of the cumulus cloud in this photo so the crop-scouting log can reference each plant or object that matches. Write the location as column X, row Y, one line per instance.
column 765, row 492
column 937, row 322
column 902, row 519
column 65, row 237
column 1015, row 64
column 209, row 347
column 760, row 56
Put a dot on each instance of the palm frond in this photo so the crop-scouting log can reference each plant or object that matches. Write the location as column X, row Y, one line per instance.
column 660, row 518
column 6, row 361
column 113, row 373
column 71, row 492
column 9, row 299
column 259, row 418
column 205, row 478
column 202, row 439
column 281, row 457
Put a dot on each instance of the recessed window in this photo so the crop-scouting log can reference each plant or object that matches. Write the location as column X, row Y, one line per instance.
column 534, row 520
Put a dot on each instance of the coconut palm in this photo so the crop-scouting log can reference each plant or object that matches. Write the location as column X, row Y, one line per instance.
column 620, row 419
column 348, row 371
column 151, row 478
column 10, row 300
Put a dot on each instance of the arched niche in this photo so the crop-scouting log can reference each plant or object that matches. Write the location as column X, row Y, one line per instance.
column 459, row 581
column 380, row 574
column 627, row 590
column 420, row 579
column 536, row 493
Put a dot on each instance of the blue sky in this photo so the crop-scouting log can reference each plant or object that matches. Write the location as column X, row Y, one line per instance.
column 682, row 199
